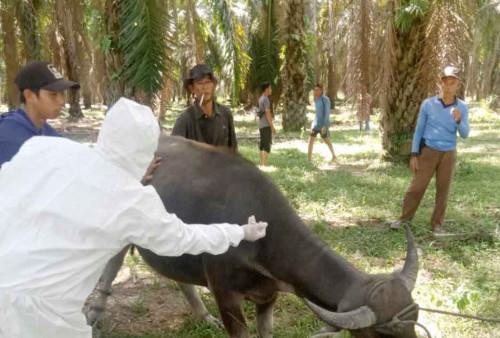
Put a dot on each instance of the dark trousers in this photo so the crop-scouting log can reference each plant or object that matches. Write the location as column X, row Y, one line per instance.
column 431, row 161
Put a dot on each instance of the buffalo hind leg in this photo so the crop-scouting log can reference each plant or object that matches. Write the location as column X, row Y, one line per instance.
column 265, row 318
column 98, row 305
column 230, row 307
column 198, row 308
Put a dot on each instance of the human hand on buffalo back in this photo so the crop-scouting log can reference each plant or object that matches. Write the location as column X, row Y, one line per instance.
column 148, row 176
column 254, row 230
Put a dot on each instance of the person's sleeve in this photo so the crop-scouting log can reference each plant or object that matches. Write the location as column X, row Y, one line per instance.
column 327, row 112
column 267, row 103
column 233, row 142
column 180, row 127
column 419, row 130
column 145, row 222
column 463, row 126
column 12, row 137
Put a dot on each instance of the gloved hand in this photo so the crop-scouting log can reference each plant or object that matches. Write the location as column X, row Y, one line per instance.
column 254, row 230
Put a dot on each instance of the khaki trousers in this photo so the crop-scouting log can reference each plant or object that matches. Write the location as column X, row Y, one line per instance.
column 431, row 161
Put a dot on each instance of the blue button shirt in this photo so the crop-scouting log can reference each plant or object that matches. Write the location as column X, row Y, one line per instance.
column 15, row 129
column 437, row 127
column 322, row 118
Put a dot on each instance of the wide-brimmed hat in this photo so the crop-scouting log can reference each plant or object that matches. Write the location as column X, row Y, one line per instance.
column 199, row 72
column 42, row 75
column 450, row 71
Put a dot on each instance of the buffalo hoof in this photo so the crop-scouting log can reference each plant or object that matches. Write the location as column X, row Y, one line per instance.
column 211, row 319
column 93, row 317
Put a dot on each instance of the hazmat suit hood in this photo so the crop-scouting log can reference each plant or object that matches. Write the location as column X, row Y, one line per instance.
column 129, row 136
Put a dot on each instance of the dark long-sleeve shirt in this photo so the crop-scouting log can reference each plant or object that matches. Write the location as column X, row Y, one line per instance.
column 217, row 130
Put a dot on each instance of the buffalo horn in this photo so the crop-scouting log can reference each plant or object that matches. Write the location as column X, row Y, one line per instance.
column 356, row 319
column 410, row 269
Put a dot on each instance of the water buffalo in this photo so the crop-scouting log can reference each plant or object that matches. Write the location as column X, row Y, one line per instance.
column 204, row 185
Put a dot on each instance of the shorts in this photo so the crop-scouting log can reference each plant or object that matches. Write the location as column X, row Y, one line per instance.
column 315, row 132
column 265, row 139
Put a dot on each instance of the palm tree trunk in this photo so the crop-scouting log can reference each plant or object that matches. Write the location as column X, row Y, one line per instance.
column 333, row 81
column 359, row 58
column 406, row 92
column 199, row 55
column 28, row 22
column 10, row 52
column 332, row 77
column 113, row 58
column 64, row 11
column 295, row 73
column 489, row 67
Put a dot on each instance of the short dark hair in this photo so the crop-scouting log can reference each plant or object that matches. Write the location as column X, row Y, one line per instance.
column 21, row 94
column 319, row 86
column 264, row 85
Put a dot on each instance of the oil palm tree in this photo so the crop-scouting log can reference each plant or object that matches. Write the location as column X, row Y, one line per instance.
column 400, row 82
column 68, row 16
column 234, row 43
column 27, row 15
column 420, row 37
column 264, row 49
column 10, row 51
column 295, row 67
column 484, row 66
column 358, row 71
column 143, row 39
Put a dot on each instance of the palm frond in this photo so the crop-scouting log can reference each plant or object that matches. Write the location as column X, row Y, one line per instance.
column 236, row 41
column 143, row 41
column 264, row 50
column 408, row 12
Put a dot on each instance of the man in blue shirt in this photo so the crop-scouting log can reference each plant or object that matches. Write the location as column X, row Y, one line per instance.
column 41, row 89
column 434, row 148
column 321, row 121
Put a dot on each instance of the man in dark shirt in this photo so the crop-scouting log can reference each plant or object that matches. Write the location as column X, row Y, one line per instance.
column 41, row 89
column 205, row 120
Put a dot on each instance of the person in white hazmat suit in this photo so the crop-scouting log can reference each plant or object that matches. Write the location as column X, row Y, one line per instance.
column 66, row 209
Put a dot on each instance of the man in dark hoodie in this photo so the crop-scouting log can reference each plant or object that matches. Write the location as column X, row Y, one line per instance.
column 205, row 120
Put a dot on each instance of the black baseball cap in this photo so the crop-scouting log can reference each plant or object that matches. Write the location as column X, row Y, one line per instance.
column 199, row 72
column 43, row 75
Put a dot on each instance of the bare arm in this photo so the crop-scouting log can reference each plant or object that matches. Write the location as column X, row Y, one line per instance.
column 270, row 120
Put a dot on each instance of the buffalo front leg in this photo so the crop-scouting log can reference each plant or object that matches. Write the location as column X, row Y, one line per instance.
column 265, row 318
column 230, row 307
column 198, row 308
column 98, row 305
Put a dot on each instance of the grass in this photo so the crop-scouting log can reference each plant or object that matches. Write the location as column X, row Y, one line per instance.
column 350, row 207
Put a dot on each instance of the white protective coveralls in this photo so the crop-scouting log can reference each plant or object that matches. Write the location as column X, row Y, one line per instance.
column 66, row 209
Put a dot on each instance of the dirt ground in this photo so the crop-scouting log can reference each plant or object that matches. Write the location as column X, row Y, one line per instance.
column 143, row 302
